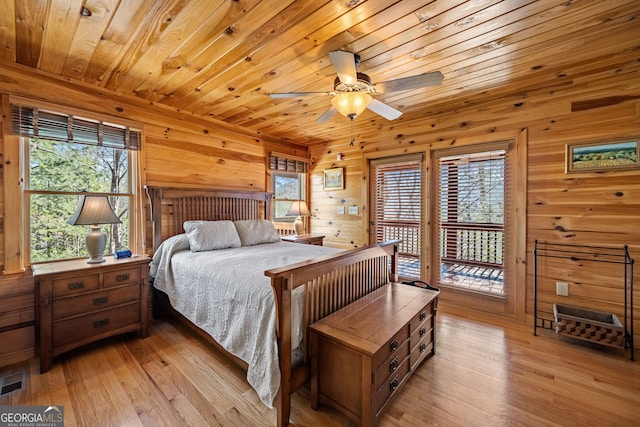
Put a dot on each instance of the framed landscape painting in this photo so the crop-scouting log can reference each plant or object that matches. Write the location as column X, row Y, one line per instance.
column 333, row 179
column 602, row 156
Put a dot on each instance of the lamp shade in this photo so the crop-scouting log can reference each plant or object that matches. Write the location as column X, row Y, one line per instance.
column 298, row 208
column 351, row 104
column 93, row 210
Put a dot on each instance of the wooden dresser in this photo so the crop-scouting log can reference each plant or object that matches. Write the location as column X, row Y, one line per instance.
column 79, row 303
column 364, row 353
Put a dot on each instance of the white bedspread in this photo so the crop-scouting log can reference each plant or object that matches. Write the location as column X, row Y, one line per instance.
column 226, row 293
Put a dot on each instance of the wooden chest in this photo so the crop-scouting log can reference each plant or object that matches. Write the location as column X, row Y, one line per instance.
column 364, row 353
column 79, row 303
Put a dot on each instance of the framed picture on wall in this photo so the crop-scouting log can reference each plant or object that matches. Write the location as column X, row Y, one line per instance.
column 333, row 179
column 602, row 156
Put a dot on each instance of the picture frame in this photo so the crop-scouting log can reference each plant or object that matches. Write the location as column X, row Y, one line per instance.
column 602, row 156
column 333, row 179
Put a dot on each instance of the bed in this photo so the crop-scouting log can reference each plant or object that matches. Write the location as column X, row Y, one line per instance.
column 289, row 286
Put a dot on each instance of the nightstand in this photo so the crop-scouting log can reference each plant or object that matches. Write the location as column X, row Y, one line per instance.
column 79, row 303
column 307, row 239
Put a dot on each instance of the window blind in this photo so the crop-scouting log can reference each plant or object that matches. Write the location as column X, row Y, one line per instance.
column 398, row 209
column 285, row 164
column 43, row 124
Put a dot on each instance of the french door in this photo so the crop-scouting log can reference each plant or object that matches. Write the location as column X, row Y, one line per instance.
column 397, row 208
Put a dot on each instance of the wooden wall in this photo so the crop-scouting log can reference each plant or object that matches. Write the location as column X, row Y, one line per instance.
column 581, row 208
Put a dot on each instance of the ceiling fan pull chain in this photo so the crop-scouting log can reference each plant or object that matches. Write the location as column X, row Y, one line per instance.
column 353, row 138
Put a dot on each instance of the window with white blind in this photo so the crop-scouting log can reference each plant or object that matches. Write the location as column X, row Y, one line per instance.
column 397, row 208
column 473, row 205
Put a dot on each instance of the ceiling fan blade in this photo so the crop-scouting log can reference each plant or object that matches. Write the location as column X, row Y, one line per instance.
column 412, row 82
column 327, row 115
column 384, row 110
column 345, row 65
column 298, row 94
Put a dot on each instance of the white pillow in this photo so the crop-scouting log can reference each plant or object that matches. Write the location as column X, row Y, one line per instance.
column 211, row 235
column 256, row 231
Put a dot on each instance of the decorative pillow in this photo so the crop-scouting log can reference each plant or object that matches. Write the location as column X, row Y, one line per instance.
column 211, row 235
column 256, row 231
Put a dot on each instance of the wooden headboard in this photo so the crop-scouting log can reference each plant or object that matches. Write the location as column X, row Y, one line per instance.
column 171, row 207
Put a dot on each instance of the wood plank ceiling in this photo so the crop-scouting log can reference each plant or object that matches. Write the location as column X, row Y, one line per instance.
column 221, row 58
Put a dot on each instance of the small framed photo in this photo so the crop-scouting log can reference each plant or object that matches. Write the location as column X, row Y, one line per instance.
column 602, row 156
column 333, row 179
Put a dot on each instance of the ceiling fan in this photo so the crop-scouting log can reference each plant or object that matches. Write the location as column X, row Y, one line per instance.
column 352, row 91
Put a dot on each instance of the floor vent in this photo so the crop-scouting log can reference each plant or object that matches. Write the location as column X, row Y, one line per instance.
column 11, row 383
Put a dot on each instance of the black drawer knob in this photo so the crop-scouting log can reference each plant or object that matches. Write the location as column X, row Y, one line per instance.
column 423, row 347
column 393, row 365
column 100, row 301
column 394, row 345
column 423, row 332
column 122, row 277
column 76, row 285
column 101, row 323
column 423, row 316
column 394, row 384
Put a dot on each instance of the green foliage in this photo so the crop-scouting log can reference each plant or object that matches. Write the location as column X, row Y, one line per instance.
column 68, row 168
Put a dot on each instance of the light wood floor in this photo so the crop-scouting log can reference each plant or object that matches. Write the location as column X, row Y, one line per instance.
column 487, row 372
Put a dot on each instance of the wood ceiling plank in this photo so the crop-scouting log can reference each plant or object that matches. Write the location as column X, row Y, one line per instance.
column 184, row 63
column 195, row 24
column 8, row 31
column 153, row 24
column 119, row 36
column 238, row 50
column 62, row 21
column 30, row 16
column 88, row 34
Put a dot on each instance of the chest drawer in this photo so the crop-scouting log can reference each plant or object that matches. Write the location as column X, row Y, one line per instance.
column 87, row 303
column 391, row 384
column 78, row 329
column 391, row 365
column 121, row 277
column 391, row 346
column 75, row 285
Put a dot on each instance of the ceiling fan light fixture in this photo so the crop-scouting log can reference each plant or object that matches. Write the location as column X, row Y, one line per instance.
column 351, row 104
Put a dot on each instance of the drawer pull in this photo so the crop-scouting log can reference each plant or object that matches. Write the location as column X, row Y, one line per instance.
column 393, row 365
column 423, row 316
column 76, row 285
column 101, row 300
column 423, row 332
column 394, row 345
column 100, row 323
column 122, row 277
column 423, row 347
column 394, row 384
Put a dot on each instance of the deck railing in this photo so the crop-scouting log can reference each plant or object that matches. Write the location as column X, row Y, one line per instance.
column 472, row 244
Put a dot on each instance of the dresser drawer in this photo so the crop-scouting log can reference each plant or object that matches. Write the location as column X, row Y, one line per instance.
column 75, row 285
column 423, row 316
column 87, row 303
column 77, row 329
column 121, row 277
column 391, row 365
column 421, row 348
column 390, row 347
column 391, row 385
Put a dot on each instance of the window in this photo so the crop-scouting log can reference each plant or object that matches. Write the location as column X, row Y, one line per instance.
column 288, row 183
column 473, row 205
column 67, row 157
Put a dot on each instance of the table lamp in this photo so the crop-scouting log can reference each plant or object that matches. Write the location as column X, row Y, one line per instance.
column 299, row 208
column 94, row 211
